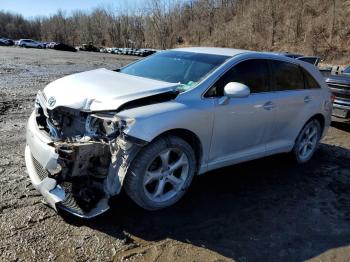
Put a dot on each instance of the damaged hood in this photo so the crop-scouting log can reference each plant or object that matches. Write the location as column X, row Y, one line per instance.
column 101, row 89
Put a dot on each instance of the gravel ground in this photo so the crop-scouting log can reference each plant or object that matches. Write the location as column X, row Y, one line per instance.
column 264, row 210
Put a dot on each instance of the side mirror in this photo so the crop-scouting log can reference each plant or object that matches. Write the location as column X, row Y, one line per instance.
column 236, row 90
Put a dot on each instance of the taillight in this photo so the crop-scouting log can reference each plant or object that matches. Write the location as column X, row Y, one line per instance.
column 332, row 98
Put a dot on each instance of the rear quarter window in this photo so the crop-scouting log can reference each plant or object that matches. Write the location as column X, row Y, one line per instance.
column 310, row 82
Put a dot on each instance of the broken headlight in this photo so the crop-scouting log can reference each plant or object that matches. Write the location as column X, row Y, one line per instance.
column 106, row 124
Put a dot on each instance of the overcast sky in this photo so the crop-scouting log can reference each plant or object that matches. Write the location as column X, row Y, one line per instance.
column 32, row 8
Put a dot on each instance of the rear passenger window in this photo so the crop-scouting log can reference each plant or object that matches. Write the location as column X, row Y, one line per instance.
column 310, row 82
column 286, row 76
column 253, row 73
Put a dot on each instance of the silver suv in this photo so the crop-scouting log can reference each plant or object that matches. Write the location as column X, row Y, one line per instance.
column 30, row 43
column 154, row 124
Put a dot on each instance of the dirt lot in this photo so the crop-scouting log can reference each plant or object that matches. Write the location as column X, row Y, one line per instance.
column 265, row 210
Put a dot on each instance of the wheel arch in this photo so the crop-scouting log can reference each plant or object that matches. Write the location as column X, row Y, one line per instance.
column 191, row 138
column 320, row 118
column 296, row 152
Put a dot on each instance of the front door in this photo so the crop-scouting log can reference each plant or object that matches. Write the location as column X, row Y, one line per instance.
column 242, row 125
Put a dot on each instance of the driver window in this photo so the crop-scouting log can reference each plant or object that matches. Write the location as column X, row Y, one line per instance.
column 253, row 73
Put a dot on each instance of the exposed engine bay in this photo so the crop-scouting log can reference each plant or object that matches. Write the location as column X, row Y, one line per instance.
column 93, row 154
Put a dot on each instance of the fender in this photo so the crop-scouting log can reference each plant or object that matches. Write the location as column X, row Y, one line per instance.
column 152, row 120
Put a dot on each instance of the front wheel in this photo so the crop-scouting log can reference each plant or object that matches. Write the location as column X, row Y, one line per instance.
column 161, row 173
column 307, row 141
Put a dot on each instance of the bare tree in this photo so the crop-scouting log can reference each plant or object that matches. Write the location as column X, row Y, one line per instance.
column 311, row 26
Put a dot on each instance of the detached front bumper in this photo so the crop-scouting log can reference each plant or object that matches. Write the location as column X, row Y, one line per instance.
column 41, row 160
column 47, row 186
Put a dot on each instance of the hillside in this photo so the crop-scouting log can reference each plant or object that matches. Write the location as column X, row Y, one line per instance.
column 313, row 27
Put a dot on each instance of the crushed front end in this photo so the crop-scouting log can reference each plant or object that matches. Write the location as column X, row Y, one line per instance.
column 77, row 159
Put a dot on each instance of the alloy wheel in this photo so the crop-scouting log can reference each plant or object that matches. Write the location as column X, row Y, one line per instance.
column 308, row 142
column 166, row 175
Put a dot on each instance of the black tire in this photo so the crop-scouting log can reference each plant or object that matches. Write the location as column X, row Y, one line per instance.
column 134, row 180
column 302, row 136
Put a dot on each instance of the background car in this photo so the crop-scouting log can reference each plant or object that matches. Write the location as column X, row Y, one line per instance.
column 113, row 50
column 6, row 42
column 126, row 51
column 103, row 50
column 63, row 47
column 2, row 43
column 314, row 60
column 147, row 52
column 29, row 43
column 89, row 48
column 50, row 44
column 340, row 86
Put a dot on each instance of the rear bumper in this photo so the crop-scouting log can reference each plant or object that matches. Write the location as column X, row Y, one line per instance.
column 41, row 160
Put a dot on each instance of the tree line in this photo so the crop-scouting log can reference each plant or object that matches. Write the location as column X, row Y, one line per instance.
column 315, row 27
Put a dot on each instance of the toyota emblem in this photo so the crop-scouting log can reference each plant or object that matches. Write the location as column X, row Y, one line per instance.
column 51, row 101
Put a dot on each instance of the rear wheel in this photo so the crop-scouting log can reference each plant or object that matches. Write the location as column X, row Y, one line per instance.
column 307, row 141
column 161, row 173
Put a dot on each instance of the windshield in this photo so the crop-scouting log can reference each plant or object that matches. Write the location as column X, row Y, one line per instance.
column 186, row 68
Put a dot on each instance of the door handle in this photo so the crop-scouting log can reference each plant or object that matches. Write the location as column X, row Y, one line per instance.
column 269, row 105
column 307, row 99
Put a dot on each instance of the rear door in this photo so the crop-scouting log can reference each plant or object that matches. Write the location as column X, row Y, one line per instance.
column 241, row 125
column 292, row 101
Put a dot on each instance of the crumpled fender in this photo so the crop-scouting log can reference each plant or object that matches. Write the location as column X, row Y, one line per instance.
column 123, row 152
